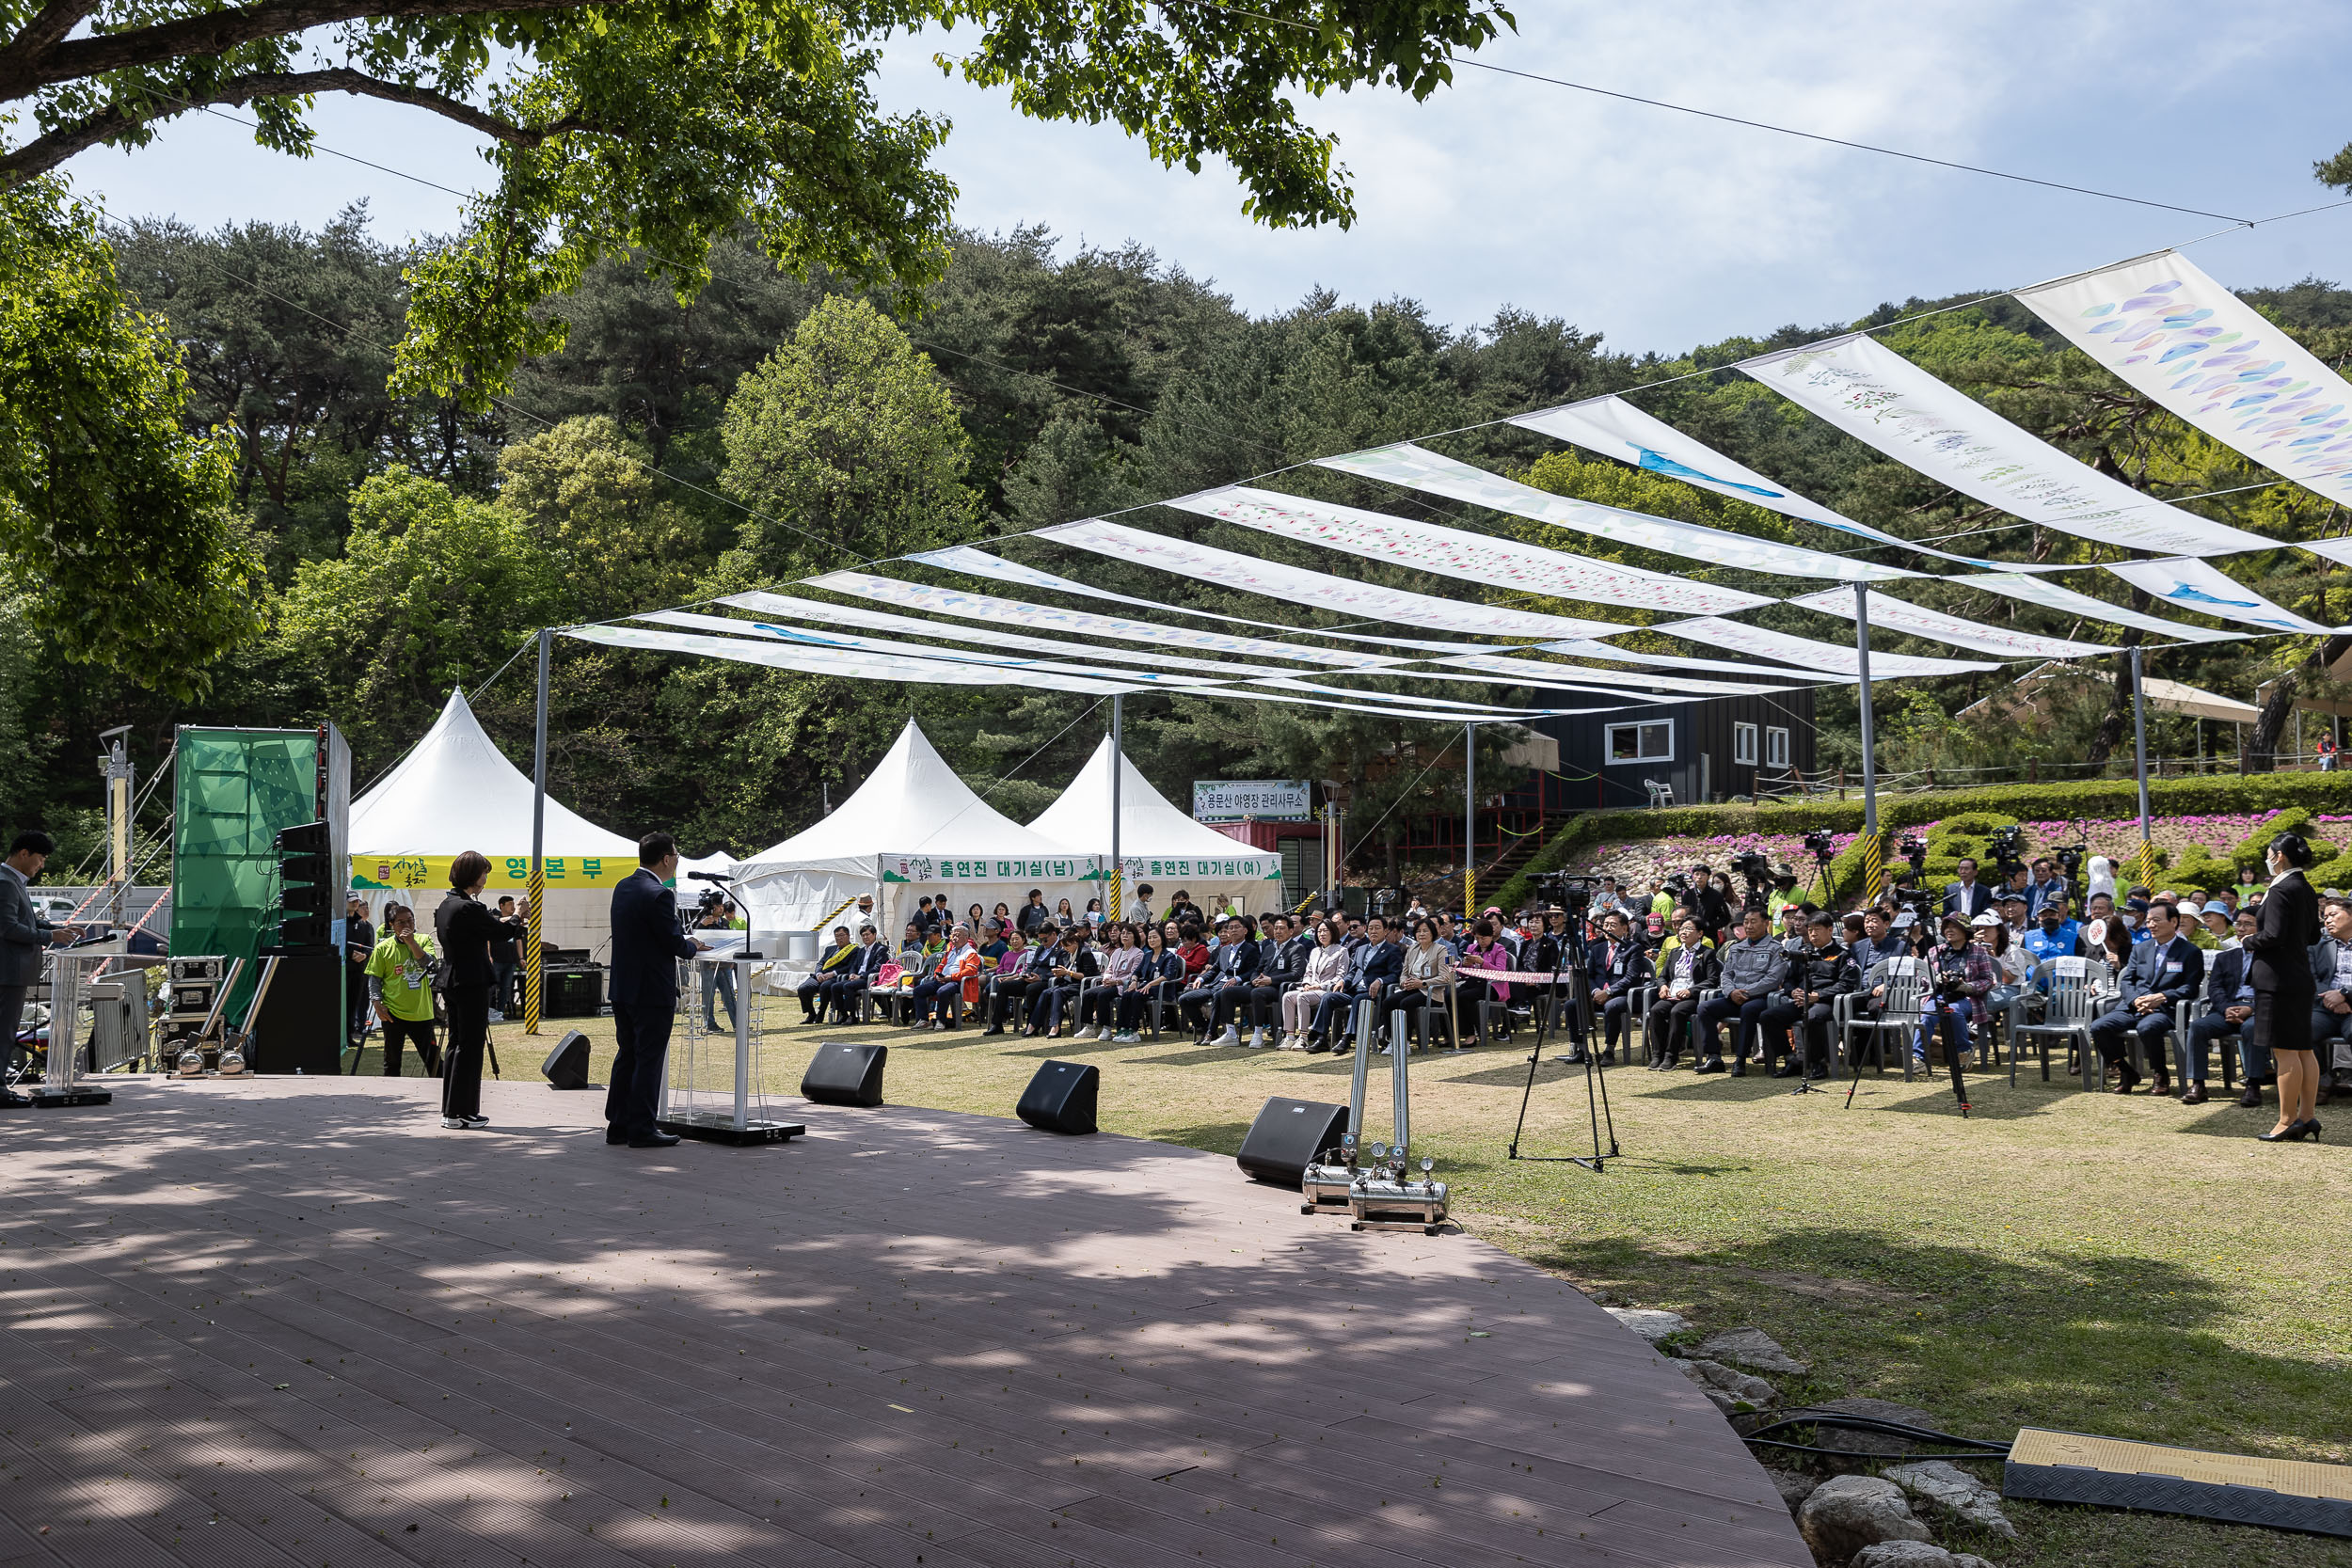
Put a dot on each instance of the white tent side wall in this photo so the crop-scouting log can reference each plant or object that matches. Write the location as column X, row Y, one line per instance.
column 1160, row 844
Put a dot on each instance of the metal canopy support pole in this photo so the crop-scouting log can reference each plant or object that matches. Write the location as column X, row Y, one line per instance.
column 1119, row 766
column 1874, row 852
column 2139, row 766
column 1469, row 821
column 532, row 963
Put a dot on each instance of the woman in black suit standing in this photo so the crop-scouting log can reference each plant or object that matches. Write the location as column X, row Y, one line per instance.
column 2284, row 989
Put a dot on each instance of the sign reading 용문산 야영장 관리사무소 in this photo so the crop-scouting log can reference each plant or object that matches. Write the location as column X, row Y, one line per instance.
column 1268, row 799
column 381, row 869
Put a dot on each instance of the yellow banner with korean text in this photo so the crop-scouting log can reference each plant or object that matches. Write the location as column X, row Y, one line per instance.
column 380, row 870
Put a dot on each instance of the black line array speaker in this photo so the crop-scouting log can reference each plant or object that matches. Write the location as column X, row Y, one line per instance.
column 1060, row 1098
column 566, row 1066
column 1287, row 1136
column 845, row 1075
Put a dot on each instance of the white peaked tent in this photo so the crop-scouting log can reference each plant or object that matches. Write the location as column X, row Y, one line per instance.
column 455, row 791
column 1159, row 843
column 913, row 827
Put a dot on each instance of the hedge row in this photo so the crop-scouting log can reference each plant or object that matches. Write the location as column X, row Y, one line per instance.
column 1985, row 807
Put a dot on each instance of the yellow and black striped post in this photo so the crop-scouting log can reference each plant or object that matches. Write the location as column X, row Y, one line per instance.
column 532, row 962
column 1873, row 868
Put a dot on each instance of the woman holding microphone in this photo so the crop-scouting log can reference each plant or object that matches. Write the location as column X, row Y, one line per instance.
column 2284, row 989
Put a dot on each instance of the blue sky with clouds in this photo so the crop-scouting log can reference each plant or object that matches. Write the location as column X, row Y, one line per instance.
column 1658, row 229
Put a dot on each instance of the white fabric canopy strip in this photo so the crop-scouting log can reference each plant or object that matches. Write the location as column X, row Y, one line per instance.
column 1876, row 395
column 1586, row 648
column 963, row 558
column 811, row 661
column 1417, row 469
column 1298, row 585
column 1452, row 552
column 987, row 607
column 1536, row 672
column 2196, row 585
column 894, row 648
column 2206, row 355
column 1841, row 658
column 1900, row 615
column 2051, row 595
column 1615, row 428
column 992, row 637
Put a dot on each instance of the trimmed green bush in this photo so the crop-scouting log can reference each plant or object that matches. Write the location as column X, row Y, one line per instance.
column 2094, row 799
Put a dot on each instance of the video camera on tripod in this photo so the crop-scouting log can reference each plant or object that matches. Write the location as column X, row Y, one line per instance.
column 1572, row 893
column 1756, row 869
column 2007, row 848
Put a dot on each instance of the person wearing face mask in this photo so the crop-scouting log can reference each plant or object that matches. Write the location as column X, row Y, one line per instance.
column 2285, row 931
column 2161, row 972
column 2054, row 936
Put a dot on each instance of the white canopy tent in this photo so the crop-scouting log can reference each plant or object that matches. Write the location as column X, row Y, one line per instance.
column 455, row 791
column 1159, row 843
column 913, row 827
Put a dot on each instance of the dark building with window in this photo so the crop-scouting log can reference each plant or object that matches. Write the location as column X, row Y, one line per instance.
column 1706, row 750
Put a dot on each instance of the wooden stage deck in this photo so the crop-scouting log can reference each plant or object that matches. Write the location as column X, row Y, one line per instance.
column 292, row 1322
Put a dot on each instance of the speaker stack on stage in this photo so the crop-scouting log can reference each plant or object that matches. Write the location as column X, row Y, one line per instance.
column 1060, row 1098
column 845, row 1075
column 566, row 1066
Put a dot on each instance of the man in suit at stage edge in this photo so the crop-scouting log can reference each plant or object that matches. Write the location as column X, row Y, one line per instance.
column 647, row 946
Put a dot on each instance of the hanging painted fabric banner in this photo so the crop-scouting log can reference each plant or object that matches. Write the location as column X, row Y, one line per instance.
column 838, row 662
column 1876, row 395
column 2049, row 594
column 1452, row 552
column 1536, row 672
column 2196, row 585
column 963, row 558
column 1586, row 648
column 891, row 647
column 1841, row 658
column 1917, row 620
column 1615, row 428
column 986, row 607
column 1417, row 469
column 1298, row 585
column 785, row 608
column 2199, row 352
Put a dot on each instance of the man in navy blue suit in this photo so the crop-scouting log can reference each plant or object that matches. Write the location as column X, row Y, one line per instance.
column 647, row 946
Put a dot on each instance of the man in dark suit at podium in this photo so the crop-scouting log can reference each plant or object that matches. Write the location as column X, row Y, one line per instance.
column 647, row 946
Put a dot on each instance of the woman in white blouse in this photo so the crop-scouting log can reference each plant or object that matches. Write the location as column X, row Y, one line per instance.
column 1428, row 977
column 1326, row 968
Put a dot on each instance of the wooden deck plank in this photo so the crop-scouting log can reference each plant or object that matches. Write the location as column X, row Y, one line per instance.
column 913, row 1333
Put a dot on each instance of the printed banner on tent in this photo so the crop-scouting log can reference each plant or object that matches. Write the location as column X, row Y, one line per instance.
column 1298, row 585
column 987, row 607
column 1876, row 395
column 1452, row 552
column 1264, row 868
column 2196, row 585
column 1417, row 469
column 963, row 558
column 1615, row 428
column 2199, row 352
column 1900, row 615
column 1268, row 799
column 992, row 868
column 1841, row 659
column 2051, row 595
column 377, row 870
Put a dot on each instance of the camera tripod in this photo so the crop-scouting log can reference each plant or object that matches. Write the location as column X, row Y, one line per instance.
column 1932, row 1021
column 1580, row 1002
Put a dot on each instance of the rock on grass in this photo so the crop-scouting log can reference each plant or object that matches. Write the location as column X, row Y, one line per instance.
column 1947, row 1489
column 1848, row 1513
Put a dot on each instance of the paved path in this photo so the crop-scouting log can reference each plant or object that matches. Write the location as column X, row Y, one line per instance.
column 292, row 1322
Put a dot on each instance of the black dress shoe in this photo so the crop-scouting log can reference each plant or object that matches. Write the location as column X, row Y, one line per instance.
column 2311, row 1127
column 2251, row 1099
column 653, row 1140
column 1784, row 1070
column 1709, row 1066
column 2195, row 1095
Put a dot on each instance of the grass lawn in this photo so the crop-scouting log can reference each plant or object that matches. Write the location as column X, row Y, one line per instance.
column 2128, row 1267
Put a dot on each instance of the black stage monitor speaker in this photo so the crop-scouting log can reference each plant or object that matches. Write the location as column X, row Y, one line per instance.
column 845, row 1075
column 1060, row 1098
column 1287, row 1136
column 303, row 1024
column 566, row 1066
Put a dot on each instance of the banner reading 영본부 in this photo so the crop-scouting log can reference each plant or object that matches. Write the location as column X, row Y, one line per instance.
column 377, row 870
column 2206, row 355
column 1877, row 396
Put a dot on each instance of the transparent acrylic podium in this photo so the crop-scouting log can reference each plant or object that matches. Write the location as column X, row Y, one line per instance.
column 73, row 978
column 714, row 1085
